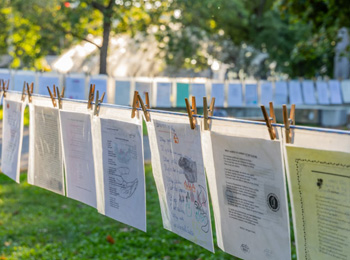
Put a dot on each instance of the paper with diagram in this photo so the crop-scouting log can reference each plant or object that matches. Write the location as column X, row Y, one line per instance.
column 78, row 157
column 319, row 183
column 12, row 135
column 252, row 213
column 45, row 168
column 179, row 174
column 123, row 172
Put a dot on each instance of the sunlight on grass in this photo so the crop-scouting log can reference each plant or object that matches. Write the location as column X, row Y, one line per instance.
column 38, row 224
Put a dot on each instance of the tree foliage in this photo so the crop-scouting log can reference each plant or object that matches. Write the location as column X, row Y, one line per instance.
column 262, row 37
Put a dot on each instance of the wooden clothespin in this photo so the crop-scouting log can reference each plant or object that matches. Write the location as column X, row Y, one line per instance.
column 207, row 112
column 288, row 121
column 270, row 120
column 98, row 102
column 30, row 91
column 60, row 96
column 91, row 96
column 191, row 111
column 5, row 87
column 23, row 98
column 135, row 104
column 147, row 100
column 144, row 107
column 53, row 96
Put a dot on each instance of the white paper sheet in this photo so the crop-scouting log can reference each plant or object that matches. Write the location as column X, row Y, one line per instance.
column 45, row 81
column 251, row 197
column 241, row 129
column 78, row 157
column 122, row 92
column 295, row 96
column 75, row 87
column 322, row 92
column 319, row 183
column 345, row 86
column 218, row 92
column 142, row 88
column 235, row 96
column 101, row 86
column 123, row 181
column 12, row 135
column 266, row 93
column 198, row 91
column 251, row 94
column 45, row 166
column 281, row 93
column 20, row 77
column 335, row 92
column 309, row 92
column 163, row 94
column 179, row 174
column 312, row 140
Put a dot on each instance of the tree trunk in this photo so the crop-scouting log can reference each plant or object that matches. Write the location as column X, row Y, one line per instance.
column 105, row 43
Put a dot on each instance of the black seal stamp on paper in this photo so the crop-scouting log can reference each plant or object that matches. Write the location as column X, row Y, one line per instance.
column 273, row 202
column 245, row 248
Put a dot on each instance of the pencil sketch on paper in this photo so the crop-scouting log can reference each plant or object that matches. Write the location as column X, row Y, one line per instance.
column 190, row 169
column 201, row 214
column 119, row 186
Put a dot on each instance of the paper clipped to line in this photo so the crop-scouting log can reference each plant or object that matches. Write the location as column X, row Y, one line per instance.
column 179, row 174
column 12, row 135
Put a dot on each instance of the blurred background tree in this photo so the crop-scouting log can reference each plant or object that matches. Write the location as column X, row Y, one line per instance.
column 257, row 37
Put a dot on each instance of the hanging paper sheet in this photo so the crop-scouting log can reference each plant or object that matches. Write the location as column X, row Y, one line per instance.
column 23, row 76
column 78, row 157
column 163, row 94
column 335, row 92
column 118, row 152
column 322, row 92
column 218, row 92
column 142, row 88
column 12, row 135
column 75, row 87
column 345, row 86
column 266, row 92
column 100, row 85
column 281, row 93
column 45, row 166
column 198, row 91
column 309, row 92
column 295, row 96
column 251, row 94
column 182, row 92
column 122, row 92
column 178, row 170
column 319, row 183
column 47, row 81
column 247, row 188
column 235, row 96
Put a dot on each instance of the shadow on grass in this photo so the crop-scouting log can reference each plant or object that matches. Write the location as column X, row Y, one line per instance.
column 38, row 224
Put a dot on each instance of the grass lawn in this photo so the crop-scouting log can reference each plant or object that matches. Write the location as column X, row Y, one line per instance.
column 38, row 224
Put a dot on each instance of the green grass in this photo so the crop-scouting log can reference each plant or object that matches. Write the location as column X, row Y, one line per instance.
column 38, row 224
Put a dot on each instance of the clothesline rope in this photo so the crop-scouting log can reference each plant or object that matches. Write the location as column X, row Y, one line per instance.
column 323, row 130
